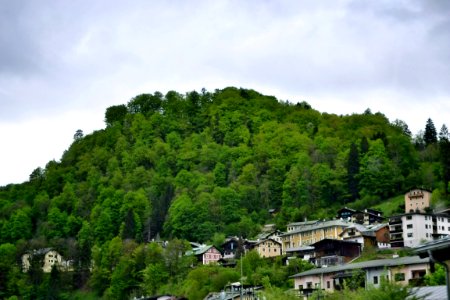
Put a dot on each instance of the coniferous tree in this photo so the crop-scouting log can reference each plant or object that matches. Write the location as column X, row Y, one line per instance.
column 352, row 172
column 430, row 135
column 364, row 146
column 444, row 147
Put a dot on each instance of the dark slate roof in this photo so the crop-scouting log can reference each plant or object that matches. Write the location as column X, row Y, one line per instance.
column 438, row 244
column 379, row 263
column 41, row 251
column 300, row 249
column 334, row 241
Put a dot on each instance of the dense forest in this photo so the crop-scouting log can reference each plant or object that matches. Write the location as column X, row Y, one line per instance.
column 198, row 167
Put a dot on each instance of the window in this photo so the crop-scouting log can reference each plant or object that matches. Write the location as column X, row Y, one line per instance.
column 426, row 234
column 426, row 226
column 328, row 284
column 300, row 287
column 410, row 234
column 408, row 217
column 409, row 226
column 375, row 279
column 399, row 277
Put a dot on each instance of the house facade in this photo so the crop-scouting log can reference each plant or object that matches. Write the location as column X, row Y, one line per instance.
column 207, row 254
column 306, row 233
column 49, row 259
column 402, row 270
column 413, row 229
column 329, row 252
column 367, row 217
column 268, row 248
column 376, row 235
column 417, row 200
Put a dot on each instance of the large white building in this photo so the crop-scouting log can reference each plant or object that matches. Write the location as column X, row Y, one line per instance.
column 413, row 229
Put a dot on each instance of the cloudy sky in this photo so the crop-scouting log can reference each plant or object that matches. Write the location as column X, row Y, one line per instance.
column 62, row 63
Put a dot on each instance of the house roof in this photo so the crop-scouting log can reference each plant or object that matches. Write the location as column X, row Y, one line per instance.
column 379, row 263
column 319, row 225
column 265, row 240
column 41, row 251
column 301, row 249
column 439, row 249
column 303, row 223
column 376, row 227
column 359, row 227
column 265, row 235
column 342, row 242
column 438, row 292
column 349, row 209
column 200, row 250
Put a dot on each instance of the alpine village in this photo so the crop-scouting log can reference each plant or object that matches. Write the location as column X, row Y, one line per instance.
column 232, row 194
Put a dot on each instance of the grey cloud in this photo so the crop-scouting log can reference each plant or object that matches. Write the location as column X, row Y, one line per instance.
column 19, row 53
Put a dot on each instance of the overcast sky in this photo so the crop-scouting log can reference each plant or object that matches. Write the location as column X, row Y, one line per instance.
column 62, row 63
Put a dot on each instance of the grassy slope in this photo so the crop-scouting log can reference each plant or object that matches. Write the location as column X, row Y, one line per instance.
column 390, row 206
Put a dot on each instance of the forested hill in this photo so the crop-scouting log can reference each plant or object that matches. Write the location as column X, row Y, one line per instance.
column 192, row 165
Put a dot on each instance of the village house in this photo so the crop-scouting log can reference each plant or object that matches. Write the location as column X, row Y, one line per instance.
column 206, row 254
column 48, row 257
column 367, row 217
column 417, row 200
column 330, row 252
column 416, row 225
column 233, row 245
column 268, row 248
column 270, row 232
column 368, row 236
column 306, row 233
column 413, row 229
column 403, row 270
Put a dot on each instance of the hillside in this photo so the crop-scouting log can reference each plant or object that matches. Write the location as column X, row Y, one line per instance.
column 195, row 165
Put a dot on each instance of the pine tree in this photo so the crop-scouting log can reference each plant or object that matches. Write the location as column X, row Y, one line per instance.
column 364, row 146
column 444, row 148
column 352, row 172
column 430, row 135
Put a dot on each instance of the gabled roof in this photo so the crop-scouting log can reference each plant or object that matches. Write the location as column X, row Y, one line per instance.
column 267, row 234
column 356, row 226
column 376, row 227
column 379, row 263
column 349, row 209
column 200, row 250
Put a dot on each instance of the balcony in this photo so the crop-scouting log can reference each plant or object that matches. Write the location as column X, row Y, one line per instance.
column 396, row 237
column 397, row 244
column 395, row 229
column 395, row 220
